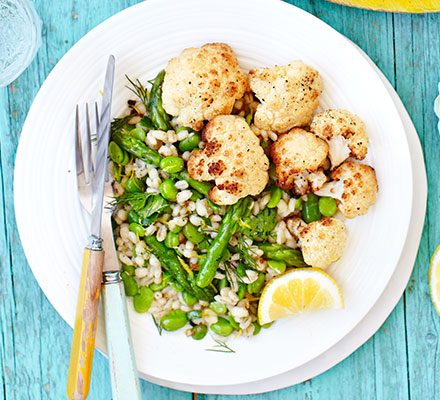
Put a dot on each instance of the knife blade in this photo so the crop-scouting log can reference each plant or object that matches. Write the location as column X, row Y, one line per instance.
column 100, row 167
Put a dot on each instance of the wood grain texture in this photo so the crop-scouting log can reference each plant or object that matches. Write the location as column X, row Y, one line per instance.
column 400, row 362
column 86, row 322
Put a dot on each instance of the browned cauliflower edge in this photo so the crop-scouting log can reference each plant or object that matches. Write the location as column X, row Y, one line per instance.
column 354, row 185
column 323, row 242
column 298, row 157
column 344, row 132
column 289, row 95
column 233, row 158
column 202, row 83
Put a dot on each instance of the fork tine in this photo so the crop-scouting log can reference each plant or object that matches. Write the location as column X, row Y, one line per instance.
column 78, row 145
column 96, row 118
column 94, row 135
column 87, row 149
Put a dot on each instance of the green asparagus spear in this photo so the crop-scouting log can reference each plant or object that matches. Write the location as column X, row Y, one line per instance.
column 158, row 115
column 218, row 246
column 278, row 252
column 201, row 187
column 169, row 260
column 137, row 148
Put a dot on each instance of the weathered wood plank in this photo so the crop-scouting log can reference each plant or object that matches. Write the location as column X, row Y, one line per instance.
column 418, row 73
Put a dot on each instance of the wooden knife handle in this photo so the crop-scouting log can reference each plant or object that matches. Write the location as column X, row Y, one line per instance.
column 83, row 342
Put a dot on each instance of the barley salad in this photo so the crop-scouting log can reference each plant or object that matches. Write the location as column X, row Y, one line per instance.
column 224, row 181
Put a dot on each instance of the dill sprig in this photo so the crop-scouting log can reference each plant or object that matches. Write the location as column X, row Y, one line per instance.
column 221, row 347
column 157, row 324
column 247, row 255
column 119, row 123
column 139, row 90
column 136, row 200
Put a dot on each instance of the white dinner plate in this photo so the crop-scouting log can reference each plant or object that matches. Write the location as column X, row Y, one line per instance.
column 263, row 32
column 383, row 307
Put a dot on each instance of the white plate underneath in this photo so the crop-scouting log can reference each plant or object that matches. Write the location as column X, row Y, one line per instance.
column 380, row 311
column 53, row 229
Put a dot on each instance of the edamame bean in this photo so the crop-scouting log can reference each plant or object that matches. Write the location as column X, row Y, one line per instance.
column 192, row 233
column 155, row 287
column 233, row 322
column 174, row 320
column 189, row 143
column 279, row 266
column 134, row 185
column 176, row 229
column 168, row 190
column 172, row 240
column 143, row 300
column 129, row 269
column 218, row 308
column 138, row 133
column 222, row 327
column 199, row 332
column 327, row 206
column 189, row 299
column 194, row 315
column 126, row 158
column 275, row 197
column 222, row 283
column 298, row 203
column 256, row 286
column 115, row 152
column 310, row 211
column 172, row 164
column 133, row 216
column 241, row 290
column 130, row 284
column 183, row 128
column 257, row 328
column 137, row 228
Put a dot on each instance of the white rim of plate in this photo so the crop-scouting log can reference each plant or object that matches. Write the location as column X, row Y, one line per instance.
column 20, row 190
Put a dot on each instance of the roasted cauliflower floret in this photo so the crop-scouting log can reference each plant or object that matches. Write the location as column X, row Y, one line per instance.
column 323, row 242
column 354, row 185
column 202, row 83
column 298, row 157
column 288, row 94
column 233, row 158
column 344, row 132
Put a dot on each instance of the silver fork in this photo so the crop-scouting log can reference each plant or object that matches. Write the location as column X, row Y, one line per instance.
column 124, row 375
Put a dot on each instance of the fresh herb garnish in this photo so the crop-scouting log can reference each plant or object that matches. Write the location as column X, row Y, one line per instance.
column 139, row 90
column 157, row 324
column 260, row 226
column 220, row 347
column 149, row 206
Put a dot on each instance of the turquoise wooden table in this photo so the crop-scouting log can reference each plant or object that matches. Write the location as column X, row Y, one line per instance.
column 402, row 361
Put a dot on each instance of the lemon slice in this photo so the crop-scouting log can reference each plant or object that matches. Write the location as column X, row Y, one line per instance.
column 434, row 279
column 296, row 291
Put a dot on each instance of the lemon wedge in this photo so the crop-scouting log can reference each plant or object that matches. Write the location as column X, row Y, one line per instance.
column 434, row 279
column 412, row 6
column 296, row 291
